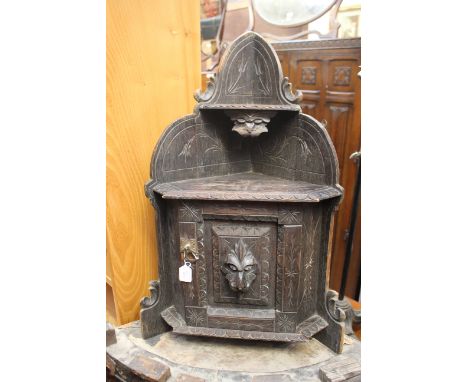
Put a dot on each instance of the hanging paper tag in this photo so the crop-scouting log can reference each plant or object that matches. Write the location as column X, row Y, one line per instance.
column 185, row 272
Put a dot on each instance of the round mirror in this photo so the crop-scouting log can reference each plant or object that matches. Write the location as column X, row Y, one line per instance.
column 289, row 13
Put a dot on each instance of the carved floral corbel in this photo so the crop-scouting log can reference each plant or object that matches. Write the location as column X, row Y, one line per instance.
column 250, row 123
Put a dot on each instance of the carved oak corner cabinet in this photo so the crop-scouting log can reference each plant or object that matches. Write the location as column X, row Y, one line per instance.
column 244, row 191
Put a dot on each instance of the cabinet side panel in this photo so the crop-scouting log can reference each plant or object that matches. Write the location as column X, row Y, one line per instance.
column 311, row 275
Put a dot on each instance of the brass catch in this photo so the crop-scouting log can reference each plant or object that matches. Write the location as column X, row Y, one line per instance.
column 188, row 251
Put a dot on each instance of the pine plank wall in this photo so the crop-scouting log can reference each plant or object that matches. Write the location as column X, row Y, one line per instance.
column 153, row 67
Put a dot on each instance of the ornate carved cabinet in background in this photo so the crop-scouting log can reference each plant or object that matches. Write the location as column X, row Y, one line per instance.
column 244, row 190
column 326, row 72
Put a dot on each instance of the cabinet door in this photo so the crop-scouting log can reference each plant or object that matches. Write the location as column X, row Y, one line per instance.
column 249, row 268
column 243, row 257
column 234, row 278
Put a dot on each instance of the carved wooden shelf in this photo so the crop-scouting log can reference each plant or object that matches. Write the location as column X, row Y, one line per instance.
column 244, row 190
column 248, row 186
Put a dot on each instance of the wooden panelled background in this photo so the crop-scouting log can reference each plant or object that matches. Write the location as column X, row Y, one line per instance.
column 153, row 67
column 326, row 72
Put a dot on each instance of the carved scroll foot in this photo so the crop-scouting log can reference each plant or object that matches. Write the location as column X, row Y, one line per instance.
column 350, row 315
column 333, row 335
column 151, row 322
column 335, row 306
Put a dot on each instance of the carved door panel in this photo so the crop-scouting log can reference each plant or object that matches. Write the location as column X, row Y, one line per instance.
column 308, row 75
column 243, row 263
column 241, row 292
column 342, row 75
column 233, row 284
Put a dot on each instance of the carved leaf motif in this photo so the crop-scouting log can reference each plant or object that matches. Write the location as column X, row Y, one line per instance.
column 265, row 88
column 233, row 88
column 290, row 273
column 257, row 238
column 280, row 152
column 215, row 144
column 308, row 269
column 186, row 149
column 279, row 268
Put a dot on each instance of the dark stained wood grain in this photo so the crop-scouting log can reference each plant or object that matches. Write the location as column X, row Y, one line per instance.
column 238, row 323
column 246, row 196
column 289, row 269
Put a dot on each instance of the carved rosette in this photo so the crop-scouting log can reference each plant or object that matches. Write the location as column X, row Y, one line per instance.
column 196, row 316
column 342, row 76
column 285, row 322
column 309, row 75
